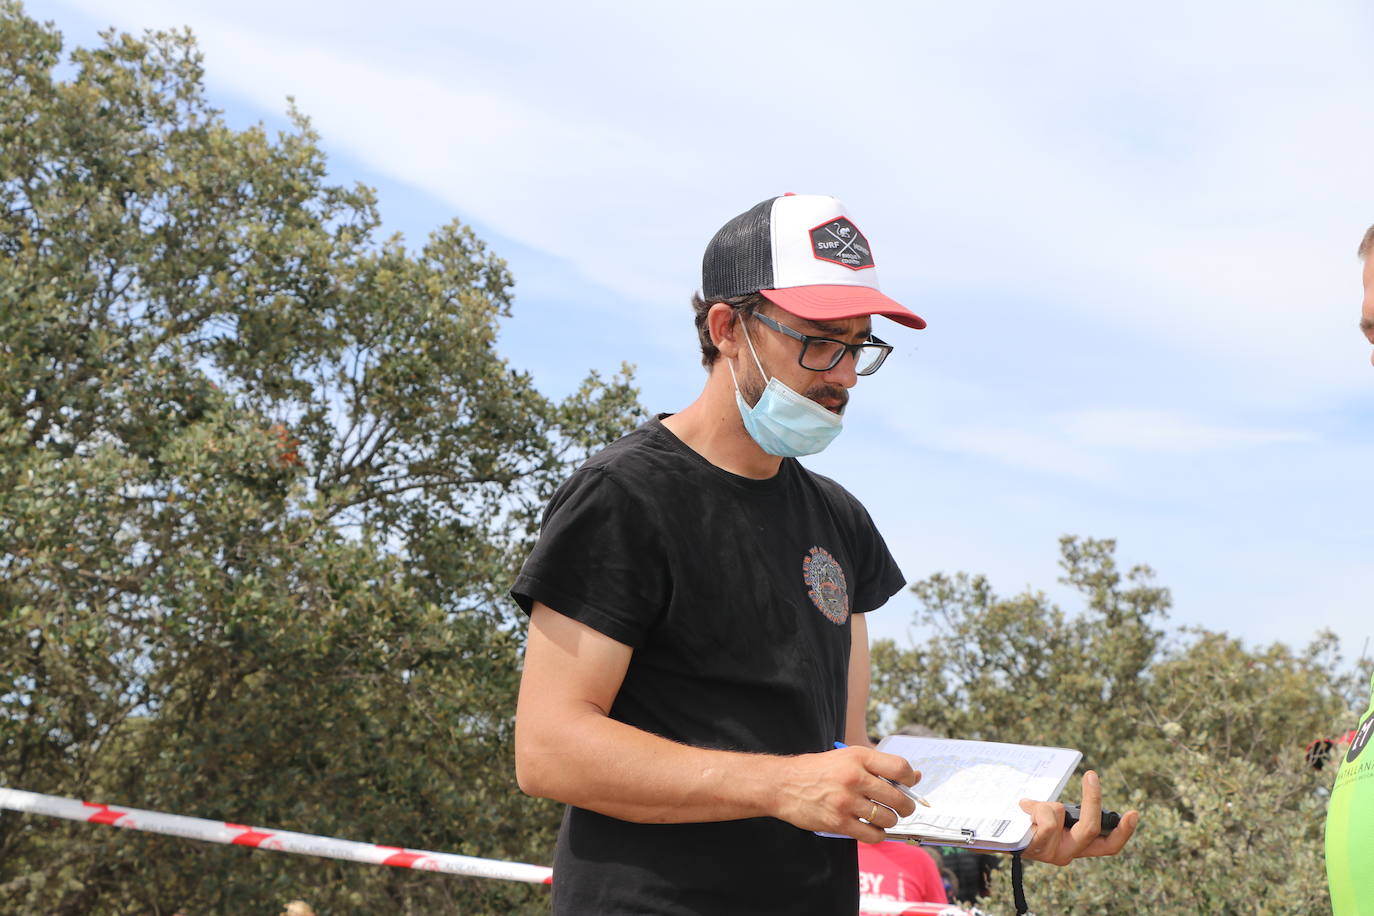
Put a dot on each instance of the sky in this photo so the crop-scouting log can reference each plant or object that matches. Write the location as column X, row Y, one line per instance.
column 1132, row 231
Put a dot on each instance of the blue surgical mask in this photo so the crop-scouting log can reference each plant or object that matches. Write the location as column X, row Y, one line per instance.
column 783, row 422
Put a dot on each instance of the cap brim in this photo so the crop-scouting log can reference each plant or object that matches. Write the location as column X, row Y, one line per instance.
column 830, row 303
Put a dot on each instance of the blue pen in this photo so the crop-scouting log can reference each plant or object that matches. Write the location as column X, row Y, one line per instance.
column 840, row 745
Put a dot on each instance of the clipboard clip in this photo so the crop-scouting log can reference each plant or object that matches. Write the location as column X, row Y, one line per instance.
column 963, row 835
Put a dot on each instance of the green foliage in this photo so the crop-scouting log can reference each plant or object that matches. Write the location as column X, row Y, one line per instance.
column 263, row 479
column 1202, row 735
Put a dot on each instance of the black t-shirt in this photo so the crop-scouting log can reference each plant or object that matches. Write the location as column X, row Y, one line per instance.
column 735, row 595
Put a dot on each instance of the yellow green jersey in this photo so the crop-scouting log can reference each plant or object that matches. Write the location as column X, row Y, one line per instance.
column 1350, row 824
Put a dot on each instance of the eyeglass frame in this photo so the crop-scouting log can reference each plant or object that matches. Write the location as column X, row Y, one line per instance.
column 846, row 349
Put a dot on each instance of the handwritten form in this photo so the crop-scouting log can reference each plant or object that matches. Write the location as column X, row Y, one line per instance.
column 976, row 785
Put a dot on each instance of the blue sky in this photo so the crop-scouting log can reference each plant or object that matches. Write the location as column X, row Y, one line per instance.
column 1131, row 230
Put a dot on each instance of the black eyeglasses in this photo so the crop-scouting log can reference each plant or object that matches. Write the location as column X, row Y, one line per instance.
column 821, row 354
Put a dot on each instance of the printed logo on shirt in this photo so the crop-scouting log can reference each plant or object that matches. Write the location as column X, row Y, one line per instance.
column 825, row 585
column 1361, row 739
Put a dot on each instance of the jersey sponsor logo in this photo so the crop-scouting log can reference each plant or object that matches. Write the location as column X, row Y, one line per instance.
column 841, row 242
column 825, row 585
column 1361, row 738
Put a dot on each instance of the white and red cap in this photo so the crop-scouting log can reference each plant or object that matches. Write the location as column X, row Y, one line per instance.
column 804, row 253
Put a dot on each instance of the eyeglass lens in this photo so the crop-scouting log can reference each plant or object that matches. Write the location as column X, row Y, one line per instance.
column 820, row 355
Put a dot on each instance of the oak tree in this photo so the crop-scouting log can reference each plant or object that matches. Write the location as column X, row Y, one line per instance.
column 264, row 480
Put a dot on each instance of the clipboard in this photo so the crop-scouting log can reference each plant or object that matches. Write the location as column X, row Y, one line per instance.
column 974, row 789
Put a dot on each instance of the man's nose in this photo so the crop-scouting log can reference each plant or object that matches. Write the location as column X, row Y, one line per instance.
column 842, row 373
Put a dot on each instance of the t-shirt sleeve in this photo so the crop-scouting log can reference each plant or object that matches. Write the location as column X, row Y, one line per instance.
column 599, row 559
column 879, row 577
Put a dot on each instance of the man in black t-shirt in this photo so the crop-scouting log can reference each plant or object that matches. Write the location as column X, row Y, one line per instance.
column 697, row 643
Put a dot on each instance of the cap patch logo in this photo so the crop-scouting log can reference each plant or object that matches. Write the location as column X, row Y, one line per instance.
column 825, row 585
column 840, row 242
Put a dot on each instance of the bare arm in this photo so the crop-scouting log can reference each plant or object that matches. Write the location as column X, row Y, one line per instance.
column 568, row 748
column 856, row 713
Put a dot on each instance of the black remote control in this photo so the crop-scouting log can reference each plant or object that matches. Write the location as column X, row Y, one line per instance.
column 1109, row 818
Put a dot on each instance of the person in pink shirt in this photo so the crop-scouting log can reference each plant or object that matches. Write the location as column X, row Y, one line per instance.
column 899, row 871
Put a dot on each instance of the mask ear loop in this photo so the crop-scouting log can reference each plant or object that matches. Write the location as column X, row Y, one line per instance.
column 734, row 378
column 752, row 351
column 731, row 366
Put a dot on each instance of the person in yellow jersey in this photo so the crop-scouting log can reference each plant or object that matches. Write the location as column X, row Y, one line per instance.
column 1350, row 817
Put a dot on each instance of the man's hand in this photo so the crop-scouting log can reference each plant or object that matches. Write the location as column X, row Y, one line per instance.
column 831, row 791
column 1050, row 842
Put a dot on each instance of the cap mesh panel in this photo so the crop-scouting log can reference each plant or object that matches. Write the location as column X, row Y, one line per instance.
column 739, row 259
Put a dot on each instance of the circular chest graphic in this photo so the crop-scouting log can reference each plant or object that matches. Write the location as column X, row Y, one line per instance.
column 825, row 585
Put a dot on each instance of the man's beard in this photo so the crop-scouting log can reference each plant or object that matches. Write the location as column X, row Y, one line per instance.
column 831, row 397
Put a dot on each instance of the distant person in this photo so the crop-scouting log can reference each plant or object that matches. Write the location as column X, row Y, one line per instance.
column 899, row 871
column 1350, row 817
column 972, row 872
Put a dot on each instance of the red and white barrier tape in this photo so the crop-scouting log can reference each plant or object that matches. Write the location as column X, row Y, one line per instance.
column 874, row 906
column 196, row 828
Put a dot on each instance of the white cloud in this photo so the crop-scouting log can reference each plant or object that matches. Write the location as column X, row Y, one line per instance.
column 1190, row 176
column 571, row 182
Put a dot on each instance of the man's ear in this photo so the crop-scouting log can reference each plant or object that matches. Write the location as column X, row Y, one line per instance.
column 723, row 323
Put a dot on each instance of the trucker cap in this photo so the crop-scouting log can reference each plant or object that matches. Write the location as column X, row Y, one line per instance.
column 804, row 253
